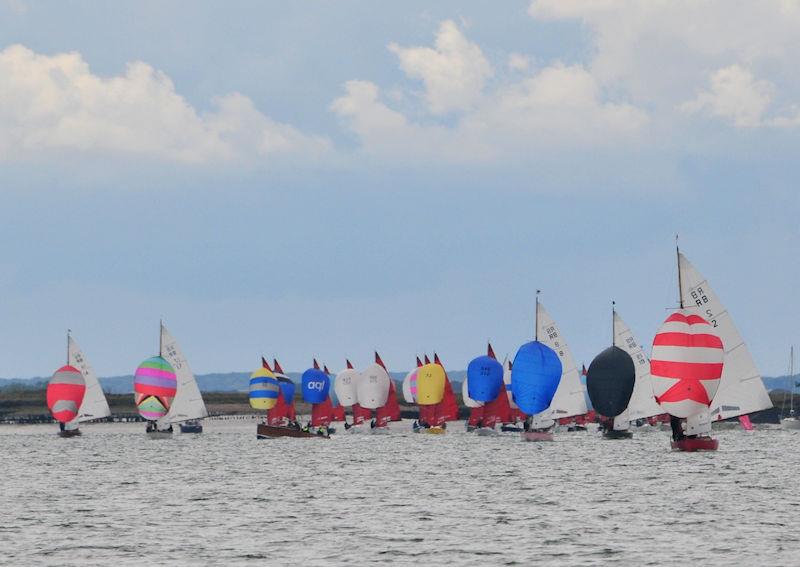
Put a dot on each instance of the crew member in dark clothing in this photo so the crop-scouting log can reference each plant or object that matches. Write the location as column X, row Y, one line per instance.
column 677, row 428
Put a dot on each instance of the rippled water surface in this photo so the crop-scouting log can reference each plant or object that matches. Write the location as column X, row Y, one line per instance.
column 113, row 496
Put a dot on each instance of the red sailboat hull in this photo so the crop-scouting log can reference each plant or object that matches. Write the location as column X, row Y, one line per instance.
column 694, row 444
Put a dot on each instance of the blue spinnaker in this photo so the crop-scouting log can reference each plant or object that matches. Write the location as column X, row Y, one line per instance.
column 534, row 377
column 484, row 379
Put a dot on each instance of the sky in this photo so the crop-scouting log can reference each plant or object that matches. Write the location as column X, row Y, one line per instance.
column 321, row 179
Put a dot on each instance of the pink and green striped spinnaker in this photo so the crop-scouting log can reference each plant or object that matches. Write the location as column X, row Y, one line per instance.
column 154, row 387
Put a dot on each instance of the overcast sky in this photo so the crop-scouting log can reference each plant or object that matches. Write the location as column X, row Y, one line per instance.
column 323, row 178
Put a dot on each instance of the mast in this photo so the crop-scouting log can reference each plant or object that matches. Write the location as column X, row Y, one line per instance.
column 680, row 281
column 613, row 324
column 791, row 377
column 536, row 318
column 160, row 336
column 68, row 332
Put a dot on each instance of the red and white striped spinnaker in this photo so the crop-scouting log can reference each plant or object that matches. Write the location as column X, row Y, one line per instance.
column 686, row 364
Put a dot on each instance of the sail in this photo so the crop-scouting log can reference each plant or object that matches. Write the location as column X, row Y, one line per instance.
column 469, row 402
column 390, row 411
column 569, row 399
column 741, row 390
column 410, row 387
column 535, row 377
column 95, row 405
column 498, row 410
column 507, row 383
column 373, row 387
column 430, row 385
column 476, row 417
column 264, row 389
column 345, row 387
column 642, row 404
column 322, row 413
column 65, row 392
column 154, row 388
column 315, row 386
column 610, row 380
column 687, row 364
column 188, row 402
column 484, row 377
column 284, row 408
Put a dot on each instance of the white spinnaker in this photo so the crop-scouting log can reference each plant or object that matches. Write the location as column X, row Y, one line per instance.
column 95, row 405
column 373, row 387
column 507, row 382
column 642, row 403
column 741, row 390
column 469, row 402
column 188, row 402
column 569, row 399
column 345, row 385
column 408, row 394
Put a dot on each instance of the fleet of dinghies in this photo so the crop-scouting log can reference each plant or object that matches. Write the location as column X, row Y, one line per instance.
column 700, row 371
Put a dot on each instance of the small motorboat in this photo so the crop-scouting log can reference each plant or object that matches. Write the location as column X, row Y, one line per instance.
column 191, row 426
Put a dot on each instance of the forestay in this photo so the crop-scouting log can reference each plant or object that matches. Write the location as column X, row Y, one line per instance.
column 188, row 402
column 569, row 399
column 95, row 405
column 741, row 390
column 643, row 404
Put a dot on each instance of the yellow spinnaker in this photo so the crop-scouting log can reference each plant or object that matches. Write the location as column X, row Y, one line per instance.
column 264, row 389
column 430, row 385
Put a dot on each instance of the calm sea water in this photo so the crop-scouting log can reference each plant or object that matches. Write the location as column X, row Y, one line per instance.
column 113, row 496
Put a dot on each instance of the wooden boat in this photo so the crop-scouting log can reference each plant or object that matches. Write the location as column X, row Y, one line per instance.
column 265, row 431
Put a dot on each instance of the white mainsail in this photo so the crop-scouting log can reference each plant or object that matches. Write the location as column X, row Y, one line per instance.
column 642, row 403
column 569, row 399
column 345, row 385
column 741, row 390
column 507, row 382
column 94, row 405
column 188, row 403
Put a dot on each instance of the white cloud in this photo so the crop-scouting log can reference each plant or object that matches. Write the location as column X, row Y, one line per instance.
column 454, row 72
column 734, row 94
column 552, row 108
column 659, row 52
column 518, row 62
column 57, row 103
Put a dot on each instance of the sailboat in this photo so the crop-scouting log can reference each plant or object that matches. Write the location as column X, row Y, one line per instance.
column 270, row 390
column 792, row 421
column 65, row 393
column 337, row 411
column 513, row 419
column 154, row 388
column 687, row 365
column 345, row 385
column 94, row 404
column 435, row 398
column 483, row 386
column 188, row 407
column 373, row 389
column 642, row 404
column 569, row 400
column 535, row 380
column 390, row 411
column 410, row 384
column 610, row 381
column 315, row 387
